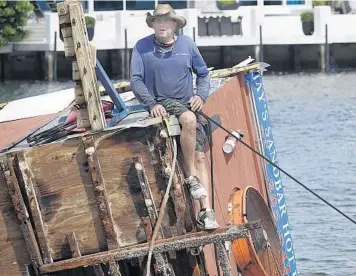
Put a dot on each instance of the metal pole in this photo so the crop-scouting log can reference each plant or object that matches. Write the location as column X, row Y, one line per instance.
column 194, row 34
column 126, row 73
column 327, row 50
column 261, row 45
column 55, row 57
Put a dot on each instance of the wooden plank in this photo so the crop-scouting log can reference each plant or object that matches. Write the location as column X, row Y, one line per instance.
column 73, row 244
column 28, row 236
column 26, row 179
column 75, row 71
column 66, row 197
column 64, row 19
column 62, row 8
column 176, row 243
column 69, row 47
column 86, row 68
column 83, row 118
column 100, row 193
column 66, row 32
column 79, row 95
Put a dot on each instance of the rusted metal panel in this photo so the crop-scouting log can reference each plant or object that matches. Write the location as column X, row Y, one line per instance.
column 176, row 243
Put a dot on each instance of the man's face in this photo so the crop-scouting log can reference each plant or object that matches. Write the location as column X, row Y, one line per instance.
column 164, row 27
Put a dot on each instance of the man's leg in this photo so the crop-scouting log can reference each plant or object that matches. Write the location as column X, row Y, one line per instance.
column 188, row 141
column 206, row 217
column 203, row 174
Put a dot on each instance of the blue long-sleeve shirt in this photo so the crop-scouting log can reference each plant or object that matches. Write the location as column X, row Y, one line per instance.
column 157, row 75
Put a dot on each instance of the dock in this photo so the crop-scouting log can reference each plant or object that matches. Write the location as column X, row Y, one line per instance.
column 224, row 39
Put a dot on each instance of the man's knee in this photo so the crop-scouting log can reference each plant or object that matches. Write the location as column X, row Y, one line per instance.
column 200, row 158
column 188, row 120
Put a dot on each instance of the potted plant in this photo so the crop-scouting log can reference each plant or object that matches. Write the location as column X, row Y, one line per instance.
column 307, row 19
column 90, row 23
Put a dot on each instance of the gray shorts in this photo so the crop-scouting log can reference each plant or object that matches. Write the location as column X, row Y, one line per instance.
column 177, row 108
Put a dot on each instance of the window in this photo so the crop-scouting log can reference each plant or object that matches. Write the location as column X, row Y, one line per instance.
column 108, row 5
column 140, row 5
column 176, row 4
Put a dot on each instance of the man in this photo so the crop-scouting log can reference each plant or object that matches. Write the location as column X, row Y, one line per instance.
column 161, row 79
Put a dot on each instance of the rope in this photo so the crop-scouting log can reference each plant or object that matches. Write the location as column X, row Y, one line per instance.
column 275, row 165
column 161, row 210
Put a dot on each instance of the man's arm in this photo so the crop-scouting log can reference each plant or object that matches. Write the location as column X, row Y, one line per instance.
column 137, row 83
column 202, row 73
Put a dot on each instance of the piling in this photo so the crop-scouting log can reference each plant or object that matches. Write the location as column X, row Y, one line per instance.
column 55, row 57
column 327, row 50
column 49, row 65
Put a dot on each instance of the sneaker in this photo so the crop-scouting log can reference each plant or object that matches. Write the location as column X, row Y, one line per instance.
column 196, row 189
column 206, row 220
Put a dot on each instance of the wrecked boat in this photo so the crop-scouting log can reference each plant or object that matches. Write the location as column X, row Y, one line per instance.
column 92, row 185
column 88, row 202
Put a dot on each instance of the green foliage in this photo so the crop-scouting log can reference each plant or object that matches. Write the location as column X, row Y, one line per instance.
column 89, row 21
column 13, row 19
column 320, row 3
column 307, row 16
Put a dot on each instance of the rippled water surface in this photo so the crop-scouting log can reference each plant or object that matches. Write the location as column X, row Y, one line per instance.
column 314, row 126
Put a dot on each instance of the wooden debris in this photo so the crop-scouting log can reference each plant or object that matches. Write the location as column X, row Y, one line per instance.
column 86, row 68
column 75, row 71
column 83, row 118
column 25, row 177
column 66, row 32
column 79, row 95
column 73, row 244
column 21, row 212
column 69, row 47
column 176, row 243
column 102, row 201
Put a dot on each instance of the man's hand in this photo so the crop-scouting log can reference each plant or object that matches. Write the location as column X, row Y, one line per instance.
column 158, row 110
column 196, row 103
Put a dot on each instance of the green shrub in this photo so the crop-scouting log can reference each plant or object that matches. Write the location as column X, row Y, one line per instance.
column 307, row 16
column 320, row 3
column 13, row 19
column 89, row 21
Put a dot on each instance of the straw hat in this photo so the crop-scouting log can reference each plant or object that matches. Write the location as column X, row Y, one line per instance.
column 167, row 10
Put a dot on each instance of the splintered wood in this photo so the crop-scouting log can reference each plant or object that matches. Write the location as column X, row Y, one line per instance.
column 76, row 45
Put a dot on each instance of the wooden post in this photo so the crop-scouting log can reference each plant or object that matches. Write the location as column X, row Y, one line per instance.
column 76, row 44
column 86, row 68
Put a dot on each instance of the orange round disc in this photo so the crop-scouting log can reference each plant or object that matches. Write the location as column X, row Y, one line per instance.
column 259, row 254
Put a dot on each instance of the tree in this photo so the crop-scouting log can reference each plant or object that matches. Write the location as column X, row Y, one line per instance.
column 13, row 19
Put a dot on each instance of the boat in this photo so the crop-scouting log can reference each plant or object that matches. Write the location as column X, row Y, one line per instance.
column 81, row 200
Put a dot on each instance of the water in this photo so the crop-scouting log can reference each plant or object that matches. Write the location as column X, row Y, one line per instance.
column 314, row 126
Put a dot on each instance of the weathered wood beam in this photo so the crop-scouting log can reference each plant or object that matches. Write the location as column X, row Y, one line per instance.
column 25, row 177
column 176, row 243
column 85, row 64
column 102, row 201
column 74, row 248
column 73, row 245
column 100, row 193
column 8, row 172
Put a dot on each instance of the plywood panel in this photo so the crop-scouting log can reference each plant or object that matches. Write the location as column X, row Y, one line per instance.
column 13, row 253
column 66, row 197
